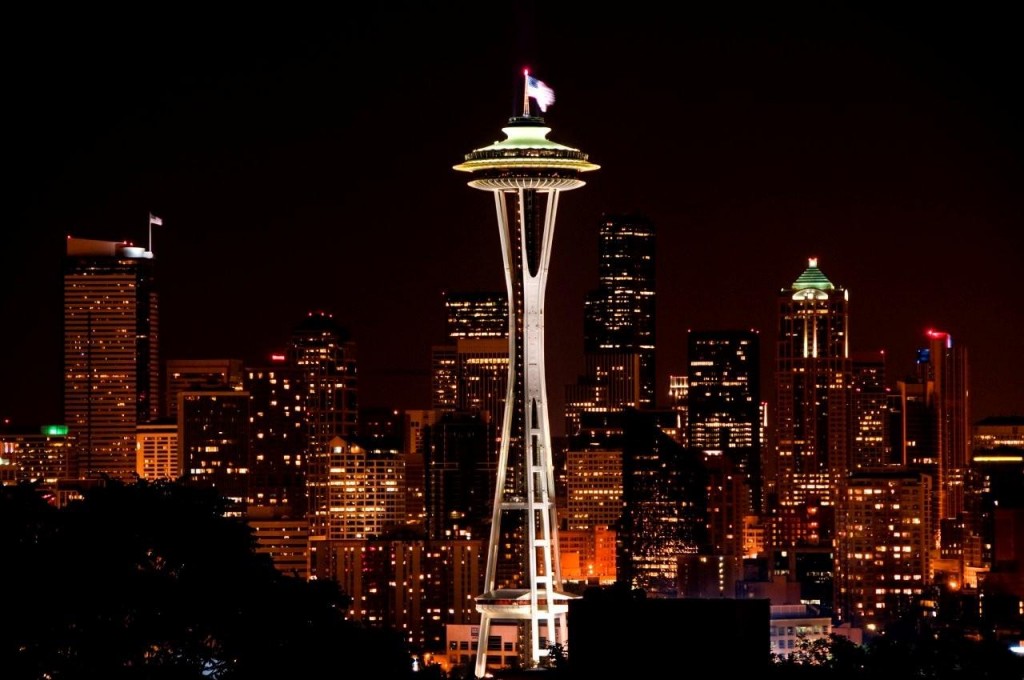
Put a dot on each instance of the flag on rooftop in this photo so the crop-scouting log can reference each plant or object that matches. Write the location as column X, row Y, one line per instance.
column 541, row 93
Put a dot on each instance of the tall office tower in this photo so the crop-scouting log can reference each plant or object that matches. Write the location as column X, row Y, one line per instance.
column 325, row 357
column 724, row 401
column 870, row 404
column 525, row 173
column 883, row 556
column 278, row 435
column 185, row 374
column 213, row 440
column 664, row 504
column 934, row 426
column 39, row 455
column 111, row 353
column 618, row 320
column 813, row 400
column 618, row 324
column 944, row 365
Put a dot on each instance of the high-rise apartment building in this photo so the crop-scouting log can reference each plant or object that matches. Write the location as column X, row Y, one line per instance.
column 724, row 401
column 813, row 403
column 111, row 353
column 366, row 488
column 883, row 551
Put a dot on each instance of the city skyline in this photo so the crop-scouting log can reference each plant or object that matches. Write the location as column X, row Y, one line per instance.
column 752, row 143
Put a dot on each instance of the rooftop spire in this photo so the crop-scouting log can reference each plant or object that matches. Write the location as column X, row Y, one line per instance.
column 812, row 278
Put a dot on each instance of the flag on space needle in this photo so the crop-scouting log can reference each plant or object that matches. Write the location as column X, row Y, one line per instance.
column 541, row 93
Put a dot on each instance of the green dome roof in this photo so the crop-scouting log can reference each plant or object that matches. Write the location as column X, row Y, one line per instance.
column 813, row 278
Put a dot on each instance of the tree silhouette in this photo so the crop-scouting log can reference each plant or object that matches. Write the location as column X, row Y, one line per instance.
column 151, row 580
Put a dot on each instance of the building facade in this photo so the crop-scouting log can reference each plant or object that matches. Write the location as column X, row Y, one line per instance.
column 813, row 413
column 724, row 401
column 111, row 353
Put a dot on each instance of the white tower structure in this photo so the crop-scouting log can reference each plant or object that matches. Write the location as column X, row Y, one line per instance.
column 526, row 173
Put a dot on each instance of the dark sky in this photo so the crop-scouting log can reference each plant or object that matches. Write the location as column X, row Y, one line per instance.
column 303, row 161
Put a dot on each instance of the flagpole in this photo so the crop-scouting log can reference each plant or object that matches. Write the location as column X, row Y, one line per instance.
column 526, row 92
column 150, row 246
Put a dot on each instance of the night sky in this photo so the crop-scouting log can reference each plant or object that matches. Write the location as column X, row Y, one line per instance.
column 304, row 162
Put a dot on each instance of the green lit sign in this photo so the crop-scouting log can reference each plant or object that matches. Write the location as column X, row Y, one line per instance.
column 55, row 430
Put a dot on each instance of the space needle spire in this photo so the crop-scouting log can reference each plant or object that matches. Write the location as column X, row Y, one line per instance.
column 526, row 174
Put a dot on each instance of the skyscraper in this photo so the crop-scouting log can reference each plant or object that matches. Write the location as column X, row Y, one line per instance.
column 935, row 430
column 111, row 353
column 618, row 323
column 526, row 174
column 813, row 402
column 323, row 355
column 724, row 400
column 945, row 366
column 619, row 313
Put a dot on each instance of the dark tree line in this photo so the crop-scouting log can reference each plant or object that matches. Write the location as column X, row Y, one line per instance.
column 151, row 580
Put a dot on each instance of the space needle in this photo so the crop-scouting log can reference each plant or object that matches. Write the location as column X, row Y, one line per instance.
column 526, row 173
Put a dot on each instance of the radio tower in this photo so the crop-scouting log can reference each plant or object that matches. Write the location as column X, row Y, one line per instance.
column 526, row 173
